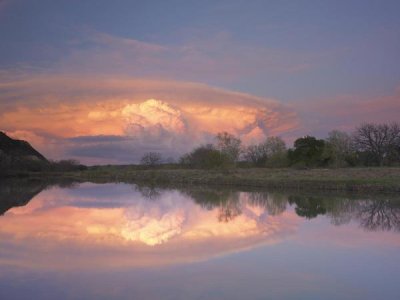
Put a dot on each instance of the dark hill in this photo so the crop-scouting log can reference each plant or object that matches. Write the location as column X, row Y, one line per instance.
column 18, row 149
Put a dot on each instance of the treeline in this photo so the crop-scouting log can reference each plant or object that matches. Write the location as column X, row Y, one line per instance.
column 370, row 144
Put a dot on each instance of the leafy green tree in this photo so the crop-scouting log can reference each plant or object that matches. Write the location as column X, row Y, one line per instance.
column 308, row 151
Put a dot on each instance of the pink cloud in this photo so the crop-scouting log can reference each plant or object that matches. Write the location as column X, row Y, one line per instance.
column 165, row 116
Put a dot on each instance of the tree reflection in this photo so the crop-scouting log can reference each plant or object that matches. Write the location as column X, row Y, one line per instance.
column 209, row 198
column 379, row 214
column 274, row 203
column 229, row 209
column 230, row 202
column 371, row 214
column 226, row 200
column 149, row 192
column 308, row 207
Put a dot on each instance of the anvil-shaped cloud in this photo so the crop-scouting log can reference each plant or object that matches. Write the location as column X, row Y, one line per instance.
column 103, row 120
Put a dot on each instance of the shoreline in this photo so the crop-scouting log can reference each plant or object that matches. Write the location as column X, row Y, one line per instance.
column 385, row 180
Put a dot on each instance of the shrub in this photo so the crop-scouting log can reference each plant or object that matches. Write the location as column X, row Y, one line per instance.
column 206, row 157
column 151, row 159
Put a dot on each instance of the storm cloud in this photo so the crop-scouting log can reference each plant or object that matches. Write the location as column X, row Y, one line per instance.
column 100, row 120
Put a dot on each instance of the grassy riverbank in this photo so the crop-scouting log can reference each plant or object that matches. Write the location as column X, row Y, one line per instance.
column 348, row 179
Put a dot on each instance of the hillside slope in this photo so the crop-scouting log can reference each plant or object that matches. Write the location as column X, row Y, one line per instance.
column 18, row 149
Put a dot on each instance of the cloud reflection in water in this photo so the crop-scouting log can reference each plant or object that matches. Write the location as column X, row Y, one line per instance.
column 79, row 224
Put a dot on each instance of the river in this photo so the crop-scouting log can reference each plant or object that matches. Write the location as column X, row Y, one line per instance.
column 123, row 241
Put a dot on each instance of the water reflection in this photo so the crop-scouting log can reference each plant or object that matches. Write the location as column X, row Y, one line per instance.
column 379, row 215
column 120, row 224
column 18, row 193
column 372, row 212
column 120, row 241
column 377, row 212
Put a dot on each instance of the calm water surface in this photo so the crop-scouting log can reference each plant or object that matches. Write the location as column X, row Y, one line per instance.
column 120, row 241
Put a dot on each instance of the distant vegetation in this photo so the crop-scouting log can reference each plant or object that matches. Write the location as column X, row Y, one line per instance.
column 9, row 164
column 151, row 159
column 369, row 145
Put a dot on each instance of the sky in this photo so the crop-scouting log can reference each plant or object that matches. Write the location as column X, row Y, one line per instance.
column 107, row 81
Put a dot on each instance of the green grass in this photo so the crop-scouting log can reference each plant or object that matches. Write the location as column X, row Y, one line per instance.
column 348, row 179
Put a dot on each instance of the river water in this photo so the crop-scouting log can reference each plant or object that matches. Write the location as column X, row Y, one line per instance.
column 123, row 241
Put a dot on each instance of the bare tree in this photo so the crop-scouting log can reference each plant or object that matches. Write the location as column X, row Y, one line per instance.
column 340, row 147
column 378, row 139
column 151, row 159
column 256, row 154
column 229, row 144
column 271, row 149
column 274, row 145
